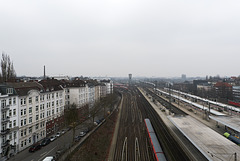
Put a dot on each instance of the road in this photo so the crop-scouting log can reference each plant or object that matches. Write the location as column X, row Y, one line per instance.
column 61, row 143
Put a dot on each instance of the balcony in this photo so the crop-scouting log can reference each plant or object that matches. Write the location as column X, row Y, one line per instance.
column 6, row 119
column 4, row 144
column 5, row 108
column 5, row 131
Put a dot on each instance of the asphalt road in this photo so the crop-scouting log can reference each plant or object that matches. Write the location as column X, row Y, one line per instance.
column 60, row 143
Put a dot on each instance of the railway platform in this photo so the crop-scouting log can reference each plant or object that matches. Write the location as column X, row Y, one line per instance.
column 187, row 146
column 230, row 121
column 212, row 145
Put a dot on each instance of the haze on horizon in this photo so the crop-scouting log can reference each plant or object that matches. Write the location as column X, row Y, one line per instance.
column 113, row 38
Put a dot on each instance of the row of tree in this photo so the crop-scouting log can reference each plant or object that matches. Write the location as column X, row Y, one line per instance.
column 7, row 70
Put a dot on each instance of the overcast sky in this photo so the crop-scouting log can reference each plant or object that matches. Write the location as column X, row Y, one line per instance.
column 162, row 38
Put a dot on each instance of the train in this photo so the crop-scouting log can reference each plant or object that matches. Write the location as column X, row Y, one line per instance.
column 232, row 138
column 158, row 152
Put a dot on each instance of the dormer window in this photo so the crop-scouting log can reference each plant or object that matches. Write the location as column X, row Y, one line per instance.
column 9, row 90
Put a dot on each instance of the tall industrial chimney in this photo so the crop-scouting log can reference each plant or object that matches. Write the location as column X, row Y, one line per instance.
column 44, row 74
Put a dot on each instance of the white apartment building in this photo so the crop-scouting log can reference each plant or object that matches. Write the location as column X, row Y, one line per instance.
column 9, row 121
column 91, row 94
column 109, row 86
column 76, row 92
column 38, row 105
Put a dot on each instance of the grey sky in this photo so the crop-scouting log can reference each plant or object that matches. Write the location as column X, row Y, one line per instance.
column 117, row 37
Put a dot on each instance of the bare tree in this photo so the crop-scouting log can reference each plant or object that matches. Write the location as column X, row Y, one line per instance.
column 94, row 110
column 71, row 117
column 7, row 69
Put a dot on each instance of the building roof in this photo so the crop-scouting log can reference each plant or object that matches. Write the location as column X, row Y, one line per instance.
column 51, row 84
column 222, row 84
column 22, row 88
column 74, row 83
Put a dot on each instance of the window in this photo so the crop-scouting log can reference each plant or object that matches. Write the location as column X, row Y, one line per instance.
column 21, row 143
column 24, row 111
column 14, row 123
column 21, row 132
column 52, row 104
column 14, row 100
column 10, row 124
column 30, row 130
column 52, row 95
column 30, row 110
column 25, row 142
column 30, row 100
column 36, row 98
column 14, row 134
column 37, row 126
column 57, row 95
column 21, row 122
column 37, row 117
column 30, row 119
column 9, row 90
column 3, row 103
column 25, row 121
column 21, row 112
column 10, row 101
column 57, row 110
column 23, row 101
column 25, row 131
column 36, row 108
column 10, row 113
column 52, row 111
column 57, row 102
column 10, row 136
column 14, row 112
column 29, row 140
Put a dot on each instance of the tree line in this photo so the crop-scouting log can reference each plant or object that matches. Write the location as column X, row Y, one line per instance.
column 7, row 70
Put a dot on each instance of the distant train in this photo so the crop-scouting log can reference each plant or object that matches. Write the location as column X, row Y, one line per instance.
column 232, row 138
column 158, row 152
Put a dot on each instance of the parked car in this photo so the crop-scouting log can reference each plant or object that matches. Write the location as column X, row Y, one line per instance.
column 77, row 138
column 63, row 131
column 82, row 133
column 45, row 142
column 52, row 138
column 58, row 134
column 35, row 147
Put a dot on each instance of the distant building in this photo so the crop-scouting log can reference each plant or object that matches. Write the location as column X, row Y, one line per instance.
column 184, row 77
column 223, row 91
column 236, row 93
column 109, row 85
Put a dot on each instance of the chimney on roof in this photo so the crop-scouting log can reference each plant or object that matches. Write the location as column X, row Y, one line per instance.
column 44, row 74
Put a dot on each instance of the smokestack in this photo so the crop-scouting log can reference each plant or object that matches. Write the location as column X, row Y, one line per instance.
column 44, row 75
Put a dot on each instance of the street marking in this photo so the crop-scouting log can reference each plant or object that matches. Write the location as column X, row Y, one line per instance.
column 46, row 153
column 43, row 153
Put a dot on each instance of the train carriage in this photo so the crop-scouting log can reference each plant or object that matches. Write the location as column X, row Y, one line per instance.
column 158, row 152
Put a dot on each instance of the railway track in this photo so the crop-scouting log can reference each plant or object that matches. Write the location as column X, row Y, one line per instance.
column 172, row 149
column 166, row 104
column 132, row 142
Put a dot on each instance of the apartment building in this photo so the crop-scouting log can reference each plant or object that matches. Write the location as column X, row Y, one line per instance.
column 40, row 108
column 54, row 103
column 9, row 121
column 109, row 85
column 76, row 92
column 30, row 111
